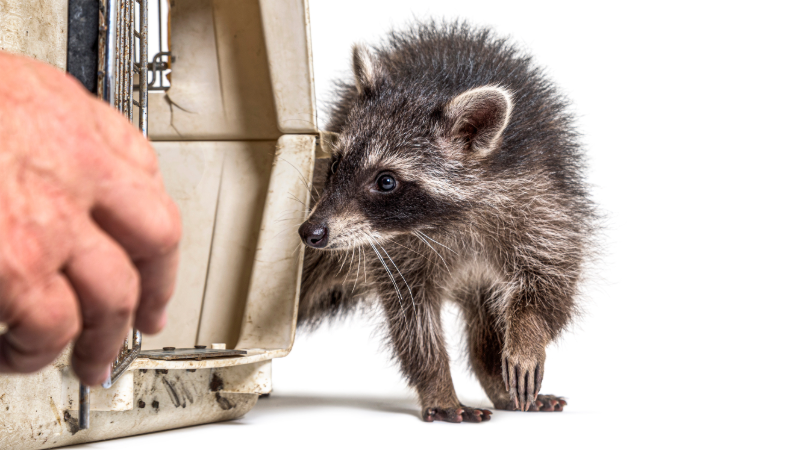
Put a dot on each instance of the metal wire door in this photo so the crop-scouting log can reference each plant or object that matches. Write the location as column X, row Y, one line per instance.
column 122, row 57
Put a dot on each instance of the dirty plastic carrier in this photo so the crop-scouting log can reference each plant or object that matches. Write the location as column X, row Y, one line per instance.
column 236, row 138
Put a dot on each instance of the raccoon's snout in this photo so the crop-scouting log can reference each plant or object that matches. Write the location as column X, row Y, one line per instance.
column 313, row 235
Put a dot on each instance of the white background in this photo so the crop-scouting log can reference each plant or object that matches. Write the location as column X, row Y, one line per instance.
column 689, row 114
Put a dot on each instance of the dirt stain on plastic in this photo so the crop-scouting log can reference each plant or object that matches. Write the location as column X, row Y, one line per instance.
column 224, row 403
column 174, row 395
column 72, row 423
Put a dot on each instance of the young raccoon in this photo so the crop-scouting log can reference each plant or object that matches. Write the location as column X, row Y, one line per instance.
column 457, row 176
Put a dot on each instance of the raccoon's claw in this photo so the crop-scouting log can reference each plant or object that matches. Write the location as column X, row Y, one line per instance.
column 523, row 382
column 543, row 403
column 457, row 415
column 548, row 403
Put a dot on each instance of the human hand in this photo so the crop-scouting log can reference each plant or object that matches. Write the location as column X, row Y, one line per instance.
column 88, row 235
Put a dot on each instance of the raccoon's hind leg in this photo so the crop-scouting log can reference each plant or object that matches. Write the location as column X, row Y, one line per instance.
column 486, row 341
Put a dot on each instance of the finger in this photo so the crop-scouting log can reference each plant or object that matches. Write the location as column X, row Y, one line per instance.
column 158, row 282
column 123, row 139
column 148, row 226
column 107, row 286
column 138, row 213
column 45, row 321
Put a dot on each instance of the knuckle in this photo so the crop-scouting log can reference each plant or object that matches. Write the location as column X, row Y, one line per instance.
column 169, row 234
column 27, row 259
column 70, row 332
column 123, row 310
column 148, row 158
column 121, row 307
column 56, row 333
column 61, row 320
column 160, row 299
column 125, row 306
column 135, row 148
column 118, row 305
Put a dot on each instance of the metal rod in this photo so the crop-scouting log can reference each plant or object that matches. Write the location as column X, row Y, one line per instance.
column 117, row 57
column 83, row 413
column 160, row 41
column 143, row 72
column 129, row 60
column 107, row 59
column 106, row 90
column 126, row 60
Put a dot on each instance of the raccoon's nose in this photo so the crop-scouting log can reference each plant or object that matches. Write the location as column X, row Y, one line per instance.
column 313, row 235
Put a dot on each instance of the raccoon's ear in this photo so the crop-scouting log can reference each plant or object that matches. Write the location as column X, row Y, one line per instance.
column 366, row 69
column 477, row 118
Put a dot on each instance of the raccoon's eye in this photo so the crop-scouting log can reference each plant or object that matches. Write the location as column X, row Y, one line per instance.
column 334, row 166
column 386, row 183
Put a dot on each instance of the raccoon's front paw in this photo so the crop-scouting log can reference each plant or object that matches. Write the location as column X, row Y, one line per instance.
column 457, row 415
column 522, row 375
column 543, row 403
column 548, row 403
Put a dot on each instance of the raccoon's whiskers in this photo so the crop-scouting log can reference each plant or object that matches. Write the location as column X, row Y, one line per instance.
column 414, row 305
column 305, row 180
column 365, row 264
column 344, row 260
column 420, row 232
column 291, row 224
column 399, row 295
column 410, row 249
column 294, row 197
column 350, row 267
column 434, row 250
column 358, row 269
column 296, row 248
column 286, row 215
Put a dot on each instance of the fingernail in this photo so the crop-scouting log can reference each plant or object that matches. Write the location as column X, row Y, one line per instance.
column 107, row 378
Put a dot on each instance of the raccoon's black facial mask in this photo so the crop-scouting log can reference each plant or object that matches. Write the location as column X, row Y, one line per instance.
column 369, row 197
column 395, row 204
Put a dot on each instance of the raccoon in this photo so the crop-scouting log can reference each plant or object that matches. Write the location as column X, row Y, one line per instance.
column 457, row 176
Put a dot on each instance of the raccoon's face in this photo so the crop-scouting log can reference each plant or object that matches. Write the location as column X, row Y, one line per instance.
column 373, row 193
column 403, row 164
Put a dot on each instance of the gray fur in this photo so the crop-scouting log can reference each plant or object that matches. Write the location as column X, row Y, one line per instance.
column 490, row 211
